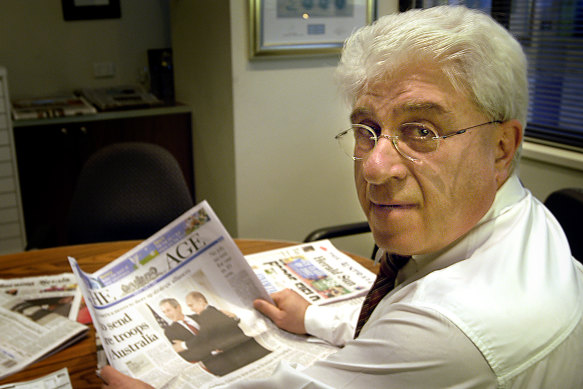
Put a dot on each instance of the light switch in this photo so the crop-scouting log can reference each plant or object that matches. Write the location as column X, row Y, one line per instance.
column 103, row 69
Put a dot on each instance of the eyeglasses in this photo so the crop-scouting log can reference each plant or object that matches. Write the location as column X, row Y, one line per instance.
column 411, row 140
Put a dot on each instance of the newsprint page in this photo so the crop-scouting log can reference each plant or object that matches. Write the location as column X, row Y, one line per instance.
column 177, row 310
column 37, row 318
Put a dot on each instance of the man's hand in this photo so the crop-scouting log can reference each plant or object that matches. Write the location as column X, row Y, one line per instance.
column 178, row 345
column 113, row 379
column 287, row 313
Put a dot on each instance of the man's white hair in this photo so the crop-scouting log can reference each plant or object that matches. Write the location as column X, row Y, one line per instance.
column 478, row 55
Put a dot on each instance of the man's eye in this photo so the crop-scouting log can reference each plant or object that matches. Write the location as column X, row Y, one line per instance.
column 424, row 132
column 416, row 131
column 361, row 133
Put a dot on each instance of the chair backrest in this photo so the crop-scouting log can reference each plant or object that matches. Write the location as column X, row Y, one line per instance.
column 127, row 191
column 567, row 206
column 340, row 230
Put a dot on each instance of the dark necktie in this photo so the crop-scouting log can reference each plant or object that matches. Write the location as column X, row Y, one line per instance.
column 384, row 283
column 191, row 327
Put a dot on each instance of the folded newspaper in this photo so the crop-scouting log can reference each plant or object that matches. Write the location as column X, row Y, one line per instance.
column 177, row 311
column 58, row 293
column 318, row 271
column 37, row 319
column 56, row 380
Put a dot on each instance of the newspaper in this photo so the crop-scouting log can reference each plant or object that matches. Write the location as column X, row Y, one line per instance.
column 318, row 271
column 51, row 107
column 147, row 310
column 57, row 380
column 57, row 293
column 31, row 332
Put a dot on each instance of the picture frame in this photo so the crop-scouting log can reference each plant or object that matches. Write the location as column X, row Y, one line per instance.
column 304, row 27
column 90, row 9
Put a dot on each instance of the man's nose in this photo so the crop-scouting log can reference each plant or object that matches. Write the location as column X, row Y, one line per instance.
column 384, row 163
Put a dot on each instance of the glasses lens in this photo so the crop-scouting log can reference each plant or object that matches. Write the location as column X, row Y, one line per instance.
column 357, row 141
column 416, row 138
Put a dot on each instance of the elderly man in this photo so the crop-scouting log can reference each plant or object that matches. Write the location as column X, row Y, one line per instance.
column 486, row 294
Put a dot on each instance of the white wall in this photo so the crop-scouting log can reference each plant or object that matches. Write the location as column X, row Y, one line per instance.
column 265, row 157
column 46, row 55
column 201, row 42
column 291, row 175
column 544, row 169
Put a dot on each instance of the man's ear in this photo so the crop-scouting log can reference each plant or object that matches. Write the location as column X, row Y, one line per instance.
column 508, row 140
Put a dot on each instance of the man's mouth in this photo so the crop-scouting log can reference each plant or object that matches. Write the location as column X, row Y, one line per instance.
column 393, row 205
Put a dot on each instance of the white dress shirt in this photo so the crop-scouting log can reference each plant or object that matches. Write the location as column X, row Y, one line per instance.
column 187, row 321
column 501, row 307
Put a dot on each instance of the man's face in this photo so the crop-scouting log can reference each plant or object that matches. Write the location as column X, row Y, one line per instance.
column 422, row 206
column 195, row 305
column 172, row 313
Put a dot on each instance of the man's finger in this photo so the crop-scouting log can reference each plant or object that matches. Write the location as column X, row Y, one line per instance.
column 106, row 373
column 265, row 308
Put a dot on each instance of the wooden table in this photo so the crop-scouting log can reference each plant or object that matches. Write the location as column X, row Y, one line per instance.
column 80, row 358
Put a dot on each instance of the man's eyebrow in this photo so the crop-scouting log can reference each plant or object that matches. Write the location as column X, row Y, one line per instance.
column 359, row 112
column 424, row 106
column 408, row 107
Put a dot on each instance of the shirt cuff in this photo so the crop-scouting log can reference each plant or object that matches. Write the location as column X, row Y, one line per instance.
column 335, row 325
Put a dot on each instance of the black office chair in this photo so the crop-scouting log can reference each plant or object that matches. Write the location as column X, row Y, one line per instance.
column 339, row 231
column 127, row 191
column 567, row 206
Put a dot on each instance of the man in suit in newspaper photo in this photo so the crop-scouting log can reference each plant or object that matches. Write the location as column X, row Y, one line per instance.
column 234, row 349
column 185, row 328
column 209, row 336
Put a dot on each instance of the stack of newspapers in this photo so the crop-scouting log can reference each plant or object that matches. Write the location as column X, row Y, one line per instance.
column 38, row 317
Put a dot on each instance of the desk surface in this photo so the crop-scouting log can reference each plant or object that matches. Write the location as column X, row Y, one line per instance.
column 80, row 358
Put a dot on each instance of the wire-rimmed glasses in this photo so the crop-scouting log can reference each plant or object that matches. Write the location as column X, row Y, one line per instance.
column 411, row 140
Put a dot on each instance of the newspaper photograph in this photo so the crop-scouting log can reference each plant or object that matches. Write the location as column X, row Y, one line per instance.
column 31, row 332
column 177, row 310
column 318, row 271
column 56, row 293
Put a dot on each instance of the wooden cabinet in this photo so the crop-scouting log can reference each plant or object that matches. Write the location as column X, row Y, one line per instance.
column 51, row 153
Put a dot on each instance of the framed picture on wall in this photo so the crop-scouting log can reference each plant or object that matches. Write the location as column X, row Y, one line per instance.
column 90, row 9
column 304, row 27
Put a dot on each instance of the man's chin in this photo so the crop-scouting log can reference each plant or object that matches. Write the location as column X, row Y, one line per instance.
column 393, row 244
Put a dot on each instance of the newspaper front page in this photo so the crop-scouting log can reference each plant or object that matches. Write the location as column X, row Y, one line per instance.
column 30, row 332
column 318, row 271
column 57, row 293
column 147, row 308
